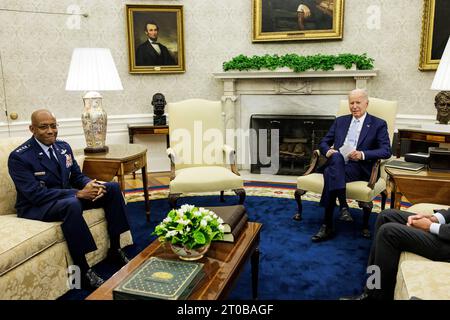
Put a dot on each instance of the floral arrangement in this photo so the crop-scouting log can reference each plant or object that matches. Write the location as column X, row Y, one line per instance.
column 190, row 226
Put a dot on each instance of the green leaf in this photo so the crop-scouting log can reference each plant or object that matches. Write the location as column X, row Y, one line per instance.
column 299, row 63
column 199, row 237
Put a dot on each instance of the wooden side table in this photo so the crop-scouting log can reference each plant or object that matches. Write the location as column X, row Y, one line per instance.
column 147, row 129
column 418, row 187
column 121, row 159
column 418, row 134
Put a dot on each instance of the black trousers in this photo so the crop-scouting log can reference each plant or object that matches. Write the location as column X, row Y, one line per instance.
column 75, row 229
column 392, row 236
column 336, row 173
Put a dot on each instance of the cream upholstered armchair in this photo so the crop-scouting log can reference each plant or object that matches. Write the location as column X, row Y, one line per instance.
column 198, row 156
column 362, row 191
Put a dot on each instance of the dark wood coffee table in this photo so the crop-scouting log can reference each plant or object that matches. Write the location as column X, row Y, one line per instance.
column 222, row 264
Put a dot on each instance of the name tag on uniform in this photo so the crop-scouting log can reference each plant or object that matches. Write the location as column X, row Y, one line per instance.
column 39, row 173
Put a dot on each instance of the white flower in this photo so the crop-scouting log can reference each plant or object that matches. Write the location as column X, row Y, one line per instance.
column 221, row 228
column 167, row 220
column 197, row 214
column 203, row 223
column 171, row 233
column 207, row 218
column 188, row 229
column 184, row 222
column 187, row 207
column 219, row 220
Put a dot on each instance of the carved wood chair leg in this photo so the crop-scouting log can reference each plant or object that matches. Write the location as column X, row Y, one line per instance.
column 222, row 199
column 367, row 210
column 173, row 197
column 241, row 194
column 298, row 198
column 383, row 199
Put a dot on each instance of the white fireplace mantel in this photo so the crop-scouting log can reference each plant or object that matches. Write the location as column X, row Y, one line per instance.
column 258, row 74
column 285, row 82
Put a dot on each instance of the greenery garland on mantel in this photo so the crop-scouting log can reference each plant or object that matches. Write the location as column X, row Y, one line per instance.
column 299, row 63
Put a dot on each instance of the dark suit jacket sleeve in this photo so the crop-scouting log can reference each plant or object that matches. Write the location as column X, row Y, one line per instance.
column 27, row 184
column 328, row 140
column 444, row 229
column 383, row 149
column 77, row 179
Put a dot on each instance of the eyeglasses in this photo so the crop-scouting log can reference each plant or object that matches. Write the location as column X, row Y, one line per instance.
column 52, row 126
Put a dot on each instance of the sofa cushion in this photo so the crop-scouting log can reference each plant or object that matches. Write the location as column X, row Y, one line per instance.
column 357, row 190
column 8, row 194
column 426, row 208
column 204, row 179
column 421, row 278
column 24, row 238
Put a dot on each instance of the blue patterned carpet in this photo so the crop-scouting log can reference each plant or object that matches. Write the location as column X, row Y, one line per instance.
column 291, row 266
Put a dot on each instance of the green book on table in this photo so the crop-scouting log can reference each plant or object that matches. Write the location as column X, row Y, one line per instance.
column 160, row 279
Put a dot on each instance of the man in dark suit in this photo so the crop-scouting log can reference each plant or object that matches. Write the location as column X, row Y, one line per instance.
column 397, row 231
column 151, row 52
column 51, row 187
column 352, row 145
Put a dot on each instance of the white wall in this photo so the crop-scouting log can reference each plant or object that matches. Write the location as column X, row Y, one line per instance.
column 36, row 50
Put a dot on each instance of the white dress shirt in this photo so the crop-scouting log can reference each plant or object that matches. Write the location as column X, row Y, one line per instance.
column 358, row 130
column 46, row 149
column 155, row 46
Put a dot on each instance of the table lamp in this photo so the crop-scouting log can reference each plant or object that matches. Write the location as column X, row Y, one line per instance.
column 92, row 70
column 441, row 82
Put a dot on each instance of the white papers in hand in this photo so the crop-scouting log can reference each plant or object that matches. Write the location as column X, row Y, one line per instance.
column 345, row 150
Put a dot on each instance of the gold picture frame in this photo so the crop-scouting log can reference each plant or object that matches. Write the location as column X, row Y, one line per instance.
column 166, row 55
column 285, row 20
column 435, row 33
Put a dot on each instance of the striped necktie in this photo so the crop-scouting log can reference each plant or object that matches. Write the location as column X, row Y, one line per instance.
column 352, row 134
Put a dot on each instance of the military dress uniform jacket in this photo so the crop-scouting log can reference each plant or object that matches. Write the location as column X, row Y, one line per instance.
column 39, row 181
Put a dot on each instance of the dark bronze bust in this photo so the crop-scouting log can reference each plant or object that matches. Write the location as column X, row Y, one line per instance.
column 158, row 103
column 442, row 104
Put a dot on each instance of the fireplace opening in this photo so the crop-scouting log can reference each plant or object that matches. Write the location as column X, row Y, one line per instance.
column 298, row 136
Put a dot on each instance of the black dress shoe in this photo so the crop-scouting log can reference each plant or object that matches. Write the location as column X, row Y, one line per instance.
column 345, row 215
column 366, row 233
column 362, row 296
column 324, row 233
column 91, row 280
column 118, row 256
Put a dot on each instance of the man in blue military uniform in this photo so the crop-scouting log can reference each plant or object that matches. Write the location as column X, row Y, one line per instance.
column 51, row 187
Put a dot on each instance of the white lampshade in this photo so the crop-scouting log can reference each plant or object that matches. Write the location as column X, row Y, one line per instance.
column 441, row 80
column 92, row 69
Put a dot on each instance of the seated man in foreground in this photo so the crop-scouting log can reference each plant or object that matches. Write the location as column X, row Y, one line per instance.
column 50, row 187
column 397, row 231
column 352, row 145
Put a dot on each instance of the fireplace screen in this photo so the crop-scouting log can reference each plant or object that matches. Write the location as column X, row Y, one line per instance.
column 297, row 136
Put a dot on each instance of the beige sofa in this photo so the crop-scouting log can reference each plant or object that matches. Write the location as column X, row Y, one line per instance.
column 419, row 277
column 33, row 254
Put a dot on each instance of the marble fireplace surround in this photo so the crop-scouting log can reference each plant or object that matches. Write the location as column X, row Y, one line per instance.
column 285, row 93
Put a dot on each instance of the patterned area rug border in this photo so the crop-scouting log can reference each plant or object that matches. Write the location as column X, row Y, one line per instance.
column 252, row 188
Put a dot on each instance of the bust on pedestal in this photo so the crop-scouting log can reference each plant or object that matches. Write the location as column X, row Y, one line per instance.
column 159, row 102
